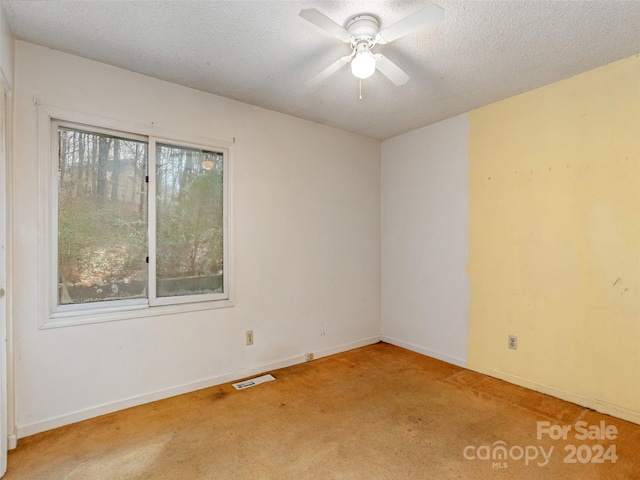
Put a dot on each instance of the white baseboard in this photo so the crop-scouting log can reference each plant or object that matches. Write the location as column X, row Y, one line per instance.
column 425, row 351
column 72, row 417
column 347, row 346
column 592, row 403
column 77, row 416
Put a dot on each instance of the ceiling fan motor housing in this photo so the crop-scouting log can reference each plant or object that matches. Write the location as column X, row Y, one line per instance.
column 363, row 26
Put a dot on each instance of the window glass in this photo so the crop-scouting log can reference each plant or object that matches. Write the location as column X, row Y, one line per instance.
column 102, row 217
column 189, row 221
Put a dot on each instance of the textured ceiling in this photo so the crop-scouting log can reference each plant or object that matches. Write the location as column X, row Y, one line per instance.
column 262, row 53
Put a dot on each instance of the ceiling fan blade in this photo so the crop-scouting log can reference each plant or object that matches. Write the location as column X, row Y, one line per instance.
column 319, row 19
column 391, row 70
column 415, row 21
column 327, row 72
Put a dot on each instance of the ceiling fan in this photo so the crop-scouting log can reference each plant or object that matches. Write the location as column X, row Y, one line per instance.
column 362, row 33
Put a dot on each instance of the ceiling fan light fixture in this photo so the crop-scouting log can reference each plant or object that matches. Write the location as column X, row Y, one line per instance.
column 363, row 64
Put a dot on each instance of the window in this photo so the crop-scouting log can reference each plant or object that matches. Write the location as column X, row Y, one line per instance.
column 140, row 221
column 102, row 217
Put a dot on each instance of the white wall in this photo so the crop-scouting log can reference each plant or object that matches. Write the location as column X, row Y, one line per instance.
column 307, row 249
column 7, row 427
column 6, row 49
column 425, row 212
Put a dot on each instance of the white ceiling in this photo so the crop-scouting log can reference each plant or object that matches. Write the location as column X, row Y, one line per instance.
column 262, row 53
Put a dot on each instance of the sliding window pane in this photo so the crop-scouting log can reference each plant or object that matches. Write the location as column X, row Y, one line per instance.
column 189, row 223
column 102, row 217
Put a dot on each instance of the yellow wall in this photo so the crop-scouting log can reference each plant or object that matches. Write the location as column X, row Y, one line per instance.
column 554, row 238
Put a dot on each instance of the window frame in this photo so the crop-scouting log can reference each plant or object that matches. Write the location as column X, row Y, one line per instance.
column 53, row 315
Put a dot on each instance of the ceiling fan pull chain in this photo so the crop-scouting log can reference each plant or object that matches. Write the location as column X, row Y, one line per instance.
column 360, row 83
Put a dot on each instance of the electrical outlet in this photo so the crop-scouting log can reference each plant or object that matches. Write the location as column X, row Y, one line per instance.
column 249, row 337
column 513, row 342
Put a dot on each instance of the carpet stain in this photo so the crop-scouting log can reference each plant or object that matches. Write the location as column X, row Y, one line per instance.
column 219, row 395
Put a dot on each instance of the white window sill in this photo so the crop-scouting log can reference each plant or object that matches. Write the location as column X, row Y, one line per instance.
column 84, row 317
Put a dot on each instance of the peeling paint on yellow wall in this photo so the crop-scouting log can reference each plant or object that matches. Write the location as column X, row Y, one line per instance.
column 554, row 238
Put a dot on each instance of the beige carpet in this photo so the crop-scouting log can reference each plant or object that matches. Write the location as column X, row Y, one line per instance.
column 378, row 412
